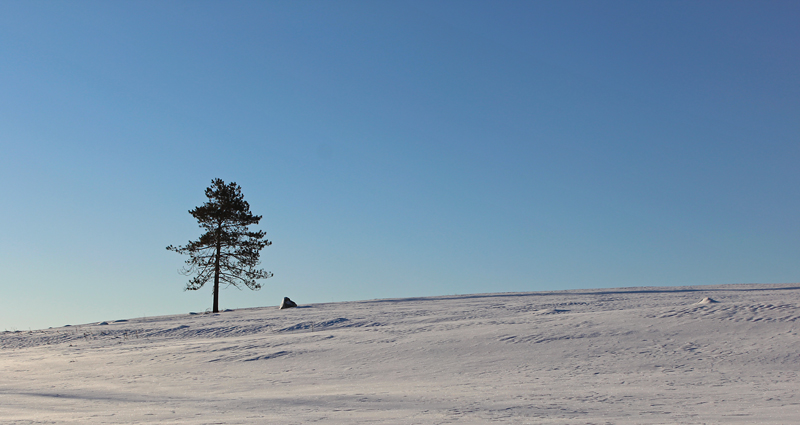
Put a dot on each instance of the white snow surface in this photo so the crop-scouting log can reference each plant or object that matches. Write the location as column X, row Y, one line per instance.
column 616, row 356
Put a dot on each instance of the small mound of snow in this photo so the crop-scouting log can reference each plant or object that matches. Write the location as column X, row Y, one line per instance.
column 707, row 300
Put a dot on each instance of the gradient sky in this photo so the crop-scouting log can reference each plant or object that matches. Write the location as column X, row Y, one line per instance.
column 395, row 149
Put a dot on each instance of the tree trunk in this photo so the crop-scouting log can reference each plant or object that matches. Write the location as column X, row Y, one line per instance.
column 216, row 274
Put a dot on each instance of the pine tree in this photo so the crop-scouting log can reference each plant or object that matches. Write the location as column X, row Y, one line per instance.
column 228, row 251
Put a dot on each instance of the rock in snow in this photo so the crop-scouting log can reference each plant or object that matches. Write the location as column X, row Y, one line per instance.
column 287, row 303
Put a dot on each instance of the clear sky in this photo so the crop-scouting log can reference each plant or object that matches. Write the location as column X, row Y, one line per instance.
column 394, row 149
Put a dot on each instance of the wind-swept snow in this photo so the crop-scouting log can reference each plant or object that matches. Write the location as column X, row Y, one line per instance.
column 630, row 356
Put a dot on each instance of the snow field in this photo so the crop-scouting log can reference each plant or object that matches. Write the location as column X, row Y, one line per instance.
column 621, row 356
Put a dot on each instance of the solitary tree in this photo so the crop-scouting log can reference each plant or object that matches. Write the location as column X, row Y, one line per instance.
column 228, row 251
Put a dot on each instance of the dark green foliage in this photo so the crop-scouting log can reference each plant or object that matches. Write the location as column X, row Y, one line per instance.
column 228, row 251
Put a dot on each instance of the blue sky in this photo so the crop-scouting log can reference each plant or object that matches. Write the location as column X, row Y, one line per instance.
column 395, row 149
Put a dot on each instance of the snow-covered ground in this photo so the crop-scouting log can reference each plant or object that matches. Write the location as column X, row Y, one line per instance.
column 620, row 356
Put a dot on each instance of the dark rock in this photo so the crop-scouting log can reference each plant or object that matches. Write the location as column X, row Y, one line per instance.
column 287, row 303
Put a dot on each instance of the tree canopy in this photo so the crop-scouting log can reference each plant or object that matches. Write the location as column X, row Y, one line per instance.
column 228, row 252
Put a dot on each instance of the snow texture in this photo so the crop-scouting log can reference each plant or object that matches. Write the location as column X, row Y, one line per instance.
column 619, row 356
